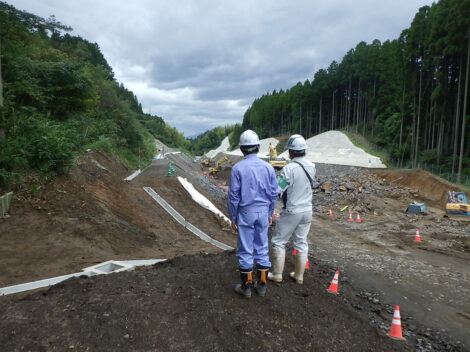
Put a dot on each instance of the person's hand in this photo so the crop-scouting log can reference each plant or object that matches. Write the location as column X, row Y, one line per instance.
column 234, row 226
column 270, row 220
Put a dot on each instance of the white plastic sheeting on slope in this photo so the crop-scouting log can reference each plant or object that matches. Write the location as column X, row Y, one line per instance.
column 200, row 199
column 222, row 148
column 334, row 147
column 108, row 267
column 178, row 217
column 263, row 148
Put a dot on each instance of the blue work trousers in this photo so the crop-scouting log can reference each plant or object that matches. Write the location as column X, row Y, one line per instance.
column 252, row 244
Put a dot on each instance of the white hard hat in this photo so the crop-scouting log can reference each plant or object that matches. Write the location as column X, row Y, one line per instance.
column 296, row 142
column 249, row 137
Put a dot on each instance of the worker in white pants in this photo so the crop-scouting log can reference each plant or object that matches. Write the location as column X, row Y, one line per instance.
column 295, row 185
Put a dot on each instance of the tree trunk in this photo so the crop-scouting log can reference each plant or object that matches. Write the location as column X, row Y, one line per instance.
column 402, row 112
column 1, row 80
column 462, row 137
column 415, row 162
column 319, row 119
column 456, row 122
column 349, row 102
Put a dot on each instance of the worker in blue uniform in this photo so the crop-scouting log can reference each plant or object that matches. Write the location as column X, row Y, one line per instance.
column 251, row 198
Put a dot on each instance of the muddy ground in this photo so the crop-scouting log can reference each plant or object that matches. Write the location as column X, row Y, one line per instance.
column 187, row 303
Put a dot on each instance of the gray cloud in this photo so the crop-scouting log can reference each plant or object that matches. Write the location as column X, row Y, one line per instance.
column 199, row 64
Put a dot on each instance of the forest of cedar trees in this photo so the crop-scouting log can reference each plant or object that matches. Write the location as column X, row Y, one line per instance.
column 408, row 95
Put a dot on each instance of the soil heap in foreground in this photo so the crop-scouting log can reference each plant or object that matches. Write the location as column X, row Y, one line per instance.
column 186, row 304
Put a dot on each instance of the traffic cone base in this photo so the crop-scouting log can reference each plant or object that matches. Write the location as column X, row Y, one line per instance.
column 395, row 329
column 334, row 284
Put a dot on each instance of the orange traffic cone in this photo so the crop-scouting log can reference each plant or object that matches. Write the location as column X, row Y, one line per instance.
column 334, row 284
column 294, row 251
column 417, row 236
column 395, row 329
column 350, row 219
column 358, row 218
column 330, row 213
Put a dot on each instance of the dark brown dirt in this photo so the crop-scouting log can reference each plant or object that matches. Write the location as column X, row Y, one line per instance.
column 86, row 218
column 428, row 185
column 187, row 304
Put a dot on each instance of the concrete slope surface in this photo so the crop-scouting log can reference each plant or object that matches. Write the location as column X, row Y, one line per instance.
column 334, row 147
column 263, row 147
column 222, row 148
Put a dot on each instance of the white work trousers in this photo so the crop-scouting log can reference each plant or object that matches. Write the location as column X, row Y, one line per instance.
column 296, row 226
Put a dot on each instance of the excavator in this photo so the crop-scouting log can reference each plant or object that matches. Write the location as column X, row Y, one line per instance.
column 206, row 161
column 216, row 169
column 277, row 163
column 457, row 203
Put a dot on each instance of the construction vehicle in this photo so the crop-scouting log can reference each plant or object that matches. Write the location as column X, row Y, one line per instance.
column 214, row 170
column 457, row 203
column 206, row 161
column 277, row 163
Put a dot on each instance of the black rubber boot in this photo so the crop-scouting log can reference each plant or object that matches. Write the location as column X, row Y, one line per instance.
column 244, row 289
column 261, row 284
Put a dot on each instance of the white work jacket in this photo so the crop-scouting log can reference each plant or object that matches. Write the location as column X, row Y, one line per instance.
column 297, row 195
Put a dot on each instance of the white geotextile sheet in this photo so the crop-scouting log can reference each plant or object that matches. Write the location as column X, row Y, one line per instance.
column 334, row 147
column 200, row 199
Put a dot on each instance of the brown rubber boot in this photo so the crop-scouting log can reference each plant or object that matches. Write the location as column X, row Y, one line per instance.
column 262, row 283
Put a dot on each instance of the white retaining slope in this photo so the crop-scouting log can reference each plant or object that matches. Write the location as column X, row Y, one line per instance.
column 222, row 148
column 263, row 148
column 178, row 217
column 334, row 147
column 108, row 267
column 200, row 199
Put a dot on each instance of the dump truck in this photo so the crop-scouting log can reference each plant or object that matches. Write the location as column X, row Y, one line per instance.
column 457, row 203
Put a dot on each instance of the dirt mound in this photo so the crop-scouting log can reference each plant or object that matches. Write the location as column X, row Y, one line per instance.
column 187, row 304
column 428, row 185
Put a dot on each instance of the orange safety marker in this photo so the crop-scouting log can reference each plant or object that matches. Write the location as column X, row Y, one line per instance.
column 330, row 213
column 417, row 236
column 350, row 219
column 334, row 284
column 395, row 328
column 294, row 251
column 358, row 218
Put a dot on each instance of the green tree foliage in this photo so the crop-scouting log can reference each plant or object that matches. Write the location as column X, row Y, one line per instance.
column 402, row 94
column 60, row 98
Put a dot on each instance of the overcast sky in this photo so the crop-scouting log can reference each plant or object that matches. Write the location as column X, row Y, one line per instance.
column 199, row 64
